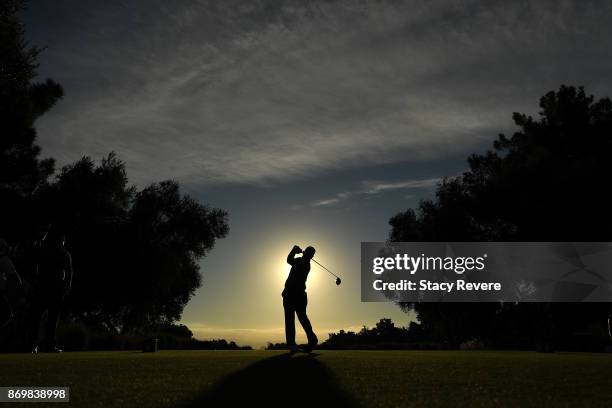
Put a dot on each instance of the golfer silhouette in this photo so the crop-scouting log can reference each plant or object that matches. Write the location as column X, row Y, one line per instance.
column 53, row 283
column 295, row 298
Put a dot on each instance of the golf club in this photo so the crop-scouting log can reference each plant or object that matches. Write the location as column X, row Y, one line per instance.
column 338, row 280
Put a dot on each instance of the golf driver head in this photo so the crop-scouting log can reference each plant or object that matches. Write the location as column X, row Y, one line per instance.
column 338, row 281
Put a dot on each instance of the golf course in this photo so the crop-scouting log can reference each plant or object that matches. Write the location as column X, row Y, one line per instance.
column 323, row 378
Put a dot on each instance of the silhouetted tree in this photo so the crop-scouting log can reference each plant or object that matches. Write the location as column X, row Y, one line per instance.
column 169, row 233
column 22, row 102
column 384, row 335
column 545, row 183
column 91, row 203
column 135, row 253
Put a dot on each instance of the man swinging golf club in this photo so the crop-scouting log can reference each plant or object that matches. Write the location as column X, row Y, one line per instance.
column 295, row 298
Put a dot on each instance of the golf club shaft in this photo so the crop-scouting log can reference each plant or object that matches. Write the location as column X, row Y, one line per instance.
column 325, row 268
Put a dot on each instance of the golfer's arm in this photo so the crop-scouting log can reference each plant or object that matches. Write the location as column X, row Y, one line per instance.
column 291, row 256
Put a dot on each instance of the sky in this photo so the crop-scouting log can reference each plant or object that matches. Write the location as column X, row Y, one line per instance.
column 311, row 123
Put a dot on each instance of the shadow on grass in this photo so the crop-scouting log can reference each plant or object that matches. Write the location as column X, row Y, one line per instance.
column 279, row 381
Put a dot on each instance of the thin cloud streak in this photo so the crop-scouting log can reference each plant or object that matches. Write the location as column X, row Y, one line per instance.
column 377, row 187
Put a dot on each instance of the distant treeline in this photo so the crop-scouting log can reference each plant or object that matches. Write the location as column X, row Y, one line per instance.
column 418, row 336
column 78, row 337
column 384, row 336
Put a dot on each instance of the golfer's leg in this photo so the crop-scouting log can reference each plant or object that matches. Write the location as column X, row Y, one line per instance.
column 6, row 311
column 305, row 322
column 55, row 308
column 289, row 324
column 33, row 321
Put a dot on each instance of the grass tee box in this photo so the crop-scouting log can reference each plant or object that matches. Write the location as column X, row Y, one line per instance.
column 327, row 378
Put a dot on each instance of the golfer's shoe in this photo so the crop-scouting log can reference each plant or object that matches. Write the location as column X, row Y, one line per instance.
column 307, row 348
column 294, row 349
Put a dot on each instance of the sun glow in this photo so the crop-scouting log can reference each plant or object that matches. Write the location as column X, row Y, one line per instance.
column 277, row 248
column 279, row 268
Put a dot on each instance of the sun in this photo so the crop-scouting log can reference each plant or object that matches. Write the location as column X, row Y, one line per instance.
column 280, row 268
column 270, row 256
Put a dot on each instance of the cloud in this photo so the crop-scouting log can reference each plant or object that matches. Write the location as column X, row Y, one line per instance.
column 326, row 202
column 211, row 92
column 376, row 187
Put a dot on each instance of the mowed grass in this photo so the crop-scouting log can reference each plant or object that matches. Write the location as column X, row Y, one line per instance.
column 327, row 378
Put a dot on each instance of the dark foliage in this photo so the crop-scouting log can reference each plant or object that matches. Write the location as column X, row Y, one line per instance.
column 135, row 253
column 22, row 102
column 545, row 183
column 79, row 336
column 384, row 336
